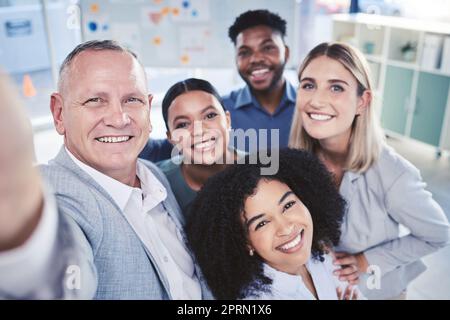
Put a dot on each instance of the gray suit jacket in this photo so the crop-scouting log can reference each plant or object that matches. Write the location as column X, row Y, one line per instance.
column 95, row 239
column 391, row 193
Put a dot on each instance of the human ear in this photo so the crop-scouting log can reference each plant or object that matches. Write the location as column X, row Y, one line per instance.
column 286, row 53
column 56, row 107
column 364, row 102
column 228, row 116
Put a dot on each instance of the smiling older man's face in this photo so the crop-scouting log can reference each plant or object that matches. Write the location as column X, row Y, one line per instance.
column 103, row 111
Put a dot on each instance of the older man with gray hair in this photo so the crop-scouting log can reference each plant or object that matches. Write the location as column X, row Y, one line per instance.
column 104, row 224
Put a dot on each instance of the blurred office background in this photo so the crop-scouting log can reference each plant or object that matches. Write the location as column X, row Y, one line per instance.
column 407, row 43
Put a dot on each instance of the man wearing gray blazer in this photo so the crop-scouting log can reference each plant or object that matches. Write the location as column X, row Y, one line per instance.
column 104, row 224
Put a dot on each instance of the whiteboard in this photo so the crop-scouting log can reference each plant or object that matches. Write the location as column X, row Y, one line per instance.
column 179, row 33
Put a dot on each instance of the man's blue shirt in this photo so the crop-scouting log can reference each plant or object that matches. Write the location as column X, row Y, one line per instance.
column 247, row 113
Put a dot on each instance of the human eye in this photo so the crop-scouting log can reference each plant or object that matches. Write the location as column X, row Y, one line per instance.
column 269, row 48
column 260, row 224
column 92, row 102
column 181, row 125
column 211, row 115
column 134, row 100
column 243, row 53
column 337, row 88
column 288, row 205
column 307, row 86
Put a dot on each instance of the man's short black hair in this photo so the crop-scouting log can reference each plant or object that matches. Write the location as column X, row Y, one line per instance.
column 253, row 18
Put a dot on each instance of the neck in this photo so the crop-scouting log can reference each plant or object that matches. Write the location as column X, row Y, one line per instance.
column 270, row 99
column 334, row 155
column 129, row 178
column 335, row 150
column 196, row 175
column 126, row 176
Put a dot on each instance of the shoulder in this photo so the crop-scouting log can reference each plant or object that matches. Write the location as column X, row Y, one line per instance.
column 390, row 166
column 76, row 197
column 230, row 99
column 391, row 160
column 66, row 182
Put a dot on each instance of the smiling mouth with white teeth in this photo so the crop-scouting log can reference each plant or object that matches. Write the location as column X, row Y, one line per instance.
column 114, row 139
column 204, row 145
column 259, row 74
column 320, row 117
column 293, row 245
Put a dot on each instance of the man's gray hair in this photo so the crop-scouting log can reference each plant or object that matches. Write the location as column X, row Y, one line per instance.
column 95, row 45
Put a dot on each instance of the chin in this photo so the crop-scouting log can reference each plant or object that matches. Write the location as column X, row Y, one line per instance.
column 261, row 87
column 316, row 133
column 208, row 158
column 118, row 163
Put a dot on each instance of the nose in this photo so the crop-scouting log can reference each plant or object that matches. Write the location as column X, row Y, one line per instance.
column 117, row 117
column 198, row 128
column 285, row 227
column 256, row 57
column 318, row 99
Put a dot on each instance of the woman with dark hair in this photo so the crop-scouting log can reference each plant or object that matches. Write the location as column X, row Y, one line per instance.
column 267, row 237
column 198, row 126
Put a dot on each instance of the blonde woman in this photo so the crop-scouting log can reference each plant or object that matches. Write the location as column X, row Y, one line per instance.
column 335, row 120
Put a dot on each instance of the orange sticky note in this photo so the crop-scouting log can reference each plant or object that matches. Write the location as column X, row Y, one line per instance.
column 28, row 88
column 175, row 11
column 95, row 8
column 185, row 59
column 165, row 11
column 157, row 41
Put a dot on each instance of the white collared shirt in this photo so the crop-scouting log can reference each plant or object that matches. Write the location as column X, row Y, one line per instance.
column 291, row 287
column 144, row 210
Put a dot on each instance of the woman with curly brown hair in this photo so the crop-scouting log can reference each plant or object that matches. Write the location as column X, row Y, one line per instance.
column 267, row 237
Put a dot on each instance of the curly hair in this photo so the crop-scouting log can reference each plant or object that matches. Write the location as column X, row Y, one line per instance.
column 253, row 18
column 218, row 237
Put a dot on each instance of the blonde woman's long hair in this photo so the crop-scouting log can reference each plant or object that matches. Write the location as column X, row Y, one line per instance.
column 366, row 139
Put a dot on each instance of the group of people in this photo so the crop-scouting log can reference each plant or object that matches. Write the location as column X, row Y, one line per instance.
column 102, row 221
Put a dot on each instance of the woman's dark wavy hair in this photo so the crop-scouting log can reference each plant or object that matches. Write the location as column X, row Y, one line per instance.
column 216, row 233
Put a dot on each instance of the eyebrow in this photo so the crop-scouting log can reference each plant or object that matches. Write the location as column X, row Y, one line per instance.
column 207, row 108
column 91, row 94
column 329, row 81
column 287, row 194
column 135, row 93
column 267, row 40
column 252, row 219
column 179, row 117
